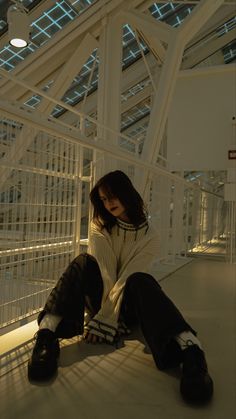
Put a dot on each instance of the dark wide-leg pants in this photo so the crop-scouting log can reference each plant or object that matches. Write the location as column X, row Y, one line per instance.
column 80, row 287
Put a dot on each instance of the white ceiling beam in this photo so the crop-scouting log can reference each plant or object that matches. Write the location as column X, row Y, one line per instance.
column 222, row 15
column 57, row 102
column 44, row 63
column 136, row 99
column 69, row 71
column 148, row 3
column 149, row 25
column 33, row 14
column 40, row 122
column 154, row 45
column 202, row 71
column 197, row 19
column 129, row 129
column 169, row 74
column 131, row 76
column 61, row 84
column 204, row 51
column 109, row 89
column 57, row 50
column 127, row 105
column 140, row 73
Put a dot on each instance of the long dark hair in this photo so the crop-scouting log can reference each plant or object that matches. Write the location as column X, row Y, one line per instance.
column 117, row 184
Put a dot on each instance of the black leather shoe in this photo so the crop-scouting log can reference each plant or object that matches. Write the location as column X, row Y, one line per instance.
column 43, row 362
column 196, row 385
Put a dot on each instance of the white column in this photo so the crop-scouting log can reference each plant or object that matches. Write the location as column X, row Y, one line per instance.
column 230, row 198
column 109, row 90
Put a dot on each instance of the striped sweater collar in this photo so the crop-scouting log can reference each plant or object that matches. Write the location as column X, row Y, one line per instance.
column 127, row 226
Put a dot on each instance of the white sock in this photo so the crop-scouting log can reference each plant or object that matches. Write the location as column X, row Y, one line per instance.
column 186, row 339
column 50, row 321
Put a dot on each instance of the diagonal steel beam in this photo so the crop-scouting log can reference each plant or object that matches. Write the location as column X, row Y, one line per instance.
column 61, row 84
column 198, row 54
column 149, row 25
column 169, row 74
column 69, row 71
column 74, row 136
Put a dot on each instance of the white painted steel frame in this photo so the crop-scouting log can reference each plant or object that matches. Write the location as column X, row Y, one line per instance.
column 40, row 213
column 47, row 224
column 169, row 73
column 149, row 28
column 42, row 208
column 231, row 232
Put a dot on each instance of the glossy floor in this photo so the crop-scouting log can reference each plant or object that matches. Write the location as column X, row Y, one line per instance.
column 96, row 382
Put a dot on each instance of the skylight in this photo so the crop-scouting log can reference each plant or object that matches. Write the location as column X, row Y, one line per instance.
column 63, row 12
column 43, row 29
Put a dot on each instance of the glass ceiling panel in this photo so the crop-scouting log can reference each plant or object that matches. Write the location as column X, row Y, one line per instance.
column 43, row 28
column 28, row 4
column 173, row 14
column 135, row 89
column 55, row 18
column 228, row 26
column 84, row 83
column 135, row 113
column 131, row 52
column 64, row 11
column 230, row 52
column 131, row 48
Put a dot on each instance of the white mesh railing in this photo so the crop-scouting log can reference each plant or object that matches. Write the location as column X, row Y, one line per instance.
column 230, row 231
column 44, row 212
column 39, row 201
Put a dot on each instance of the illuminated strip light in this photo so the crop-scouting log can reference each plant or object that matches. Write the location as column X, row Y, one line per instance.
column 33, row 248
column 40, row 247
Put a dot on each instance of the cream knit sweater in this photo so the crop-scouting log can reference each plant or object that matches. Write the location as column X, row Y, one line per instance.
column 119, row 254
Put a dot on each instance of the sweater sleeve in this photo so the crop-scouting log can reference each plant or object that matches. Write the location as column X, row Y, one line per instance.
column 105, row 322
column 100, row 247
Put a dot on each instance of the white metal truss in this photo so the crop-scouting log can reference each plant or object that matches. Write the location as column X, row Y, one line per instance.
column 170, row 69
column 40, row 232
column 156, row 35
column 47, row 165
column 94, row 20
column 109, row 84
column 62, row 82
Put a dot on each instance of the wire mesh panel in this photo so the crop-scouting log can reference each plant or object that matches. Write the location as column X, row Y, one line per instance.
column 218, row 217
column 231, row 232
column 169, row 208
column 160, row 210
column 194, row 218
column 177, row 230
column 211, row 222
column 45, row 182
column 207, row 219
column 39, row 199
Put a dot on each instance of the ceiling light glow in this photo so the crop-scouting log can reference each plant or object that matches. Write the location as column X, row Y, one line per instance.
column 18, row 25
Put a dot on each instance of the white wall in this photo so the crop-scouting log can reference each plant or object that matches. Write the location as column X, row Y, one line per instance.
column 200, row 119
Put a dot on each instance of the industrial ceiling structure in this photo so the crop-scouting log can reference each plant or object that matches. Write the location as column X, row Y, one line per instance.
column 63, row 66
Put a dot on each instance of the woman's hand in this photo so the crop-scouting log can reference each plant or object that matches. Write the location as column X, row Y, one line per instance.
column 91, row 338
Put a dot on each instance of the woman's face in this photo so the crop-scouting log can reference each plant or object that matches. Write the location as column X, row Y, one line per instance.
column 113, row 205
